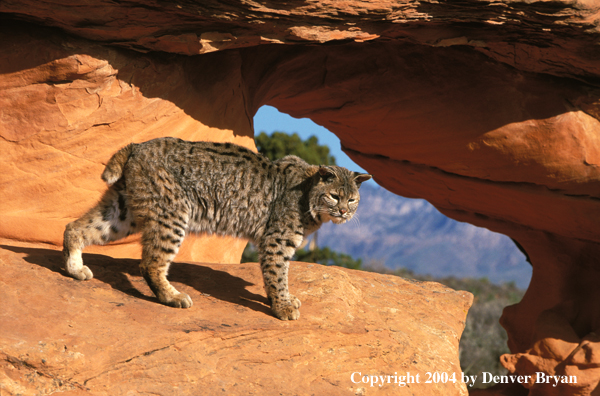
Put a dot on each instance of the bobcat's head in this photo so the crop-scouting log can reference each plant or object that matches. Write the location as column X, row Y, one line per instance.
column 335, row 196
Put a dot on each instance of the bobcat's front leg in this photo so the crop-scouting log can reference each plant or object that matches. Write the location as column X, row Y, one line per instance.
column 275, row 252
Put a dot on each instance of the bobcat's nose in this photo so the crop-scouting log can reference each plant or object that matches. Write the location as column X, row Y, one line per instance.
column 343, row 211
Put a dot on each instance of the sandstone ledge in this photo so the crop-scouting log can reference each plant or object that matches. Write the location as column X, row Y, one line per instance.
column 490, row 110
column 109, row 336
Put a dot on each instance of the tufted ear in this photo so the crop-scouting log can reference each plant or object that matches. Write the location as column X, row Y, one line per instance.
column 361, row 177
column 326, row 172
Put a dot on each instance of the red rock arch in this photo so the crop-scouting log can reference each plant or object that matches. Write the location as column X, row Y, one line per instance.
column 489, row 111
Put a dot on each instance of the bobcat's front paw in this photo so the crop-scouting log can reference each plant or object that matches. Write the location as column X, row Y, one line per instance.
column 78, row 271
column 180, row 300
column 84, row 274
column 287, row 309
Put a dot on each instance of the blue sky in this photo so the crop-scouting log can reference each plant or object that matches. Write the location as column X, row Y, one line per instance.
column 268, row 119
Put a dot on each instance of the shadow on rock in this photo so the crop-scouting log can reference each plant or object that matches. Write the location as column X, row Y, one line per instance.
column 113, row 271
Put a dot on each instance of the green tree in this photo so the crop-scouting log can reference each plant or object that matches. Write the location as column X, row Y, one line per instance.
column 250, row 255
column 317, row 255
column 327, row 256
column 280, row 144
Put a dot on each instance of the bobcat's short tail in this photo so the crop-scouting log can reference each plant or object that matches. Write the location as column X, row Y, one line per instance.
column 114, row 168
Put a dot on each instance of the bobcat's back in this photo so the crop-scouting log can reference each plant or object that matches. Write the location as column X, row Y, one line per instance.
column 167, row 188
column 217, row 188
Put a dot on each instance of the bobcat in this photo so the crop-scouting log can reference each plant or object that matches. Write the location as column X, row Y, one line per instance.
column 166, row 188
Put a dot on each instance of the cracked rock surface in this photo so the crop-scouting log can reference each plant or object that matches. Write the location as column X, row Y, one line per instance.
column 109, row 336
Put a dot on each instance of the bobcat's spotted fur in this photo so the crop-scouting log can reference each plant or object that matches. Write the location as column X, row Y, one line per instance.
column 166, row 188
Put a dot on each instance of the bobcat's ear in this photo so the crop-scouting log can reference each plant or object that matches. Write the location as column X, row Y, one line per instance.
column 359, row 178
column 326, row 172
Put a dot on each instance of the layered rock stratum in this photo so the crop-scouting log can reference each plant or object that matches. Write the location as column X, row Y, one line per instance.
column 487, row 109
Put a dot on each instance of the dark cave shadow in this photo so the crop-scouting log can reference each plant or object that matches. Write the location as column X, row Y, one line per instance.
column 112, row 271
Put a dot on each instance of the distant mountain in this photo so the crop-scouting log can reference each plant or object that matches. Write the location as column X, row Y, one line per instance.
column 411, row 233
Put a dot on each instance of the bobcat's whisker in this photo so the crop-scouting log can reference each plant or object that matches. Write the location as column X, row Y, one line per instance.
column 356, row 220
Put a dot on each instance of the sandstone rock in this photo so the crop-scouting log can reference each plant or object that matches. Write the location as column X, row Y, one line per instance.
column 557, row 38
column 69, row 106
column 501, row 390
column 488, row 109
column 566, row 348
column 515, row 160
column 109, row 336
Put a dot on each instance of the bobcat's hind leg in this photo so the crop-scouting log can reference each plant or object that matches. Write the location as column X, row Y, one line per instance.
column 73, row 243
column 160, row 243
column 108, row 221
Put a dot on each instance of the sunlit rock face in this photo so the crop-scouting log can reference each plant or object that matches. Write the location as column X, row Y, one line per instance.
column 68, row 104
column 489, row 110
column 109, row 336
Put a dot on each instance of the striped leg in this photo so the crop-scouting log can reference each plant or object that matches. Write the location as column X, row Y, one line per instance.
column 276, row 250
column 161, row 241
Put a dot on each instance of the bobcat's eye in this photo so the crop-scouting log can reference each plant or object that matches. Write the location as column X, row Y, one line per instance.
column 351, row 200
column 336, row 197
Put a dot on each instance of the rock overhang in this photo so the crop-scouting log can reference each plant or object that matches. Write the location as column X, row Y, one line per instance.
column 487, row 109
